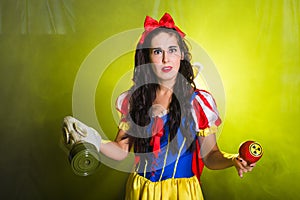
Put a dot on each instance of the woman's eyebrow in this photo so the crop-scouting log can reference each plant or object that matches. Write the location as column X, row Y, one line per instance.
column 159, row 48
column 155, row 48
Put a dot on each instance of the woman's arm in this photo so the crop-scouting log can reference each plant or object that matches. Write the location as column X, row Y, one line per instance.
column 118, row 149
column 214, row 159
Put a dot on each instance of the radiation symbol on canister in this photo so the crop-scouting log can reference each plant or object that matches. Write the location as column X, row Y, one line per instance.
column 255, row 149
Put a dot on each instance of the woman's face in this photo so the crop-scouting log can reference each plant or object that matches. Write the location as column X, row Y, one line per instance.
column 165, row 55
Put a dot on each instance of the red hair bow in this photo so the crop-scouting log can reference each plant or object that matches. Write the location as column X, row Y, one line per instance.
column 166, row 21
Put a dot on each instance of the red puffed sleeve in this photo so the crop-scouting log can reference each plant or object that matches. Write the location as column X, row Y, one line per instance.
column 122, row 105
column 205, row 113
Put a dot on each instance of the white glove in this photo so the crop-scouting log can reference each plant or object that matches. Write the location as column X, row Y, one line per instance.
column 76, row 131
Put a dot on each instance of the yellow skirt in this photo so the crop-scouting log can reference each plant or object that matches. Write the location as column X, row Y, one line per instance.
column 140, row 188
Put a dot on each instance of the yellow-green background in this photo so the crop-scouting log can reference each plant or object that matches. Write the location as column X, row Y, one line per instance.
column 254, row 45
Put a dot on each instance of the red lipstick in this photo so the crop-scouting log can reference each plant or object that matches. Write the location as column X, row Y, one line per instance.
column 166, row 69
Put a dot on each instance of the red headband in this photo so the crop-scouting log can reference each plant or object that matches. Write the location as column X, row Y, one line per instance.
column 166, row 21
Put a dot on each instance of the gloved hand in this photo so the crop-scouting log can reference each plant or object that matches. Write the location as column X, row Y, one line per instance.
column 75, row 131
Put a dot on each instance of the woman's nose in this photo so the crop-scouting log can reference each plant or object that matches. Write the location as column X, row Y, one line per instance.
column 165, row 57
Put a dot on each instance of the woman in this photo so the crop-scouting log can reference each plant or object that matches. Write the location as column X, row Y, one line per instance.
column 165, row 120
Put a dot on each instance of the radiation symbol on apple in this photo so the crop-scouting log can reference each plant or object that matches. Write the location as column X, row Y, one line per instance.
column 255, row 149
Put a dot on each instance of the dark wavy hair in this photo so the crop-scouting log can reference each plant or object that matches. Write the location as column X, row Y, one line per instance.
column 143, row 94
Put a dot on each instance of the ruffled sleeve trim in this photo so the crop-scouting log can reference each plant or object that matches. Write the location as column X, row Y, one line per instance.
column 205, row 113
column 124, row 126
column 207, row 131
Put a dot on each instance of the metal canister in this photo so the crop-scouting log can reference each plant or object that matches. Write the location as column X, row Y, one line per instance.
column 84, row 158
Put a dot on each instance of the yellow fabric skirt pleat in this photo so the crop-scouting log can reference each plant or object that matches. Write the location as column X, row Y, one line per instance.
column 140, row 188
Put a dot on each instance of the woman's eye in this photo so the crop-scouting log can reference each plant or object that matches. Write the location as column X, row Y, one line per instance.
column 157, row 51
column 173, row 50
